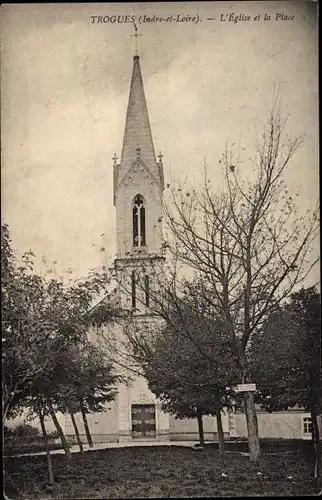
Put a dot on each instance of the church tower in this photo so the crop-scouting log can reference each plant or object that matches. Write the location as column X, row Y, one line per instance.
column 138, row 188
column 138, row 179
column 136, row 414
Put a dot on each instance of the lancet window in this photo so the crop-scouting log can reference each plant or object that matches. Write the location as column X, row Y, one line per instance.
column 133, row 290
column 147, row 290
column 138, row 221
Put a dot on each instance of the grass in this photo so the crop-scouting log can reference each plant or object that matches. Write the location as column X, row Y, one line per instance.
column 154, row 472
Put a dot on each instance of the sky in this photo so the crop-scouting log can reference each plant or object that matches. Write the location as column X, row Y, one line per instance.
column 65, row 83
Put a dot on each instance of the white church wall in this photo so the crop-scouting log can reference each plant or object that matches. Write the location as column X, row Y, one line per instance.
column 140, row 393
column 124, row 413
column 284, row 424
column 187, row 429
column 50, row 426
column 162, row 424
column 103, row 426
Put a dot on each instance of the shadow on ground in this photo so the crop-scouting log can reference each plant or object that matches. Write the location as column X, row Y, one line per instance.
column 163, row 471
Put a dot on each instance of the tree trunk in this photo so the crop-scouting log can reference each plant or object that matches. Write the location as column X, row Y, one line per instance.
column 78, row 439
column 200, row 428
column 44, row 433
column 250, row 412
column 252, row 427
column 60, row 432
column 220, row 430
column 87, row 432
column 316, row 442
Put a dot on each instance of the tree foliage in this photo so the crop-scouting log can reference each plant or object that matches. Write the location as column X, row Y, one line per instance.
column 286, row 354
column 28, row 339
column 179, row 374
column 286, row 357
column 46, row 355
column 84, row 373
column 187, row 360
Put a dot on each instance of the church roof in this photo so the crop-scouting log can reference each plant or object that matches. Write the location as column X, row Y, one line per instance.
column 137, row 136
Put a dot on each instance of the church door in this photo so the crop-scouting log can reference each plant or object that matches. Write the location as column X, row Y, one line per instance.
column 143, row 421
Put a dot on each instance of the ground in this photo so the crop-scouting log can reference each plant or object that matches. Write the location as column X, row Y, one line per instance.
column 146, row 472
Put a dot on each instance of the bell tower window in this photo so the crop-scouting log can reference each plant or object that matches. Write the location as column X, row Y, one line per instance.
column 133, row 290
column 147, row 290
column 138, row 213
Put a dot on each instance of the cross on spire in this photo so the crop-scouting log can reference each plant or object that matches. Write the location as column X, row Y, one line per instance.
column 115, row 158
column 160, row 156
column 136, row 34
column 138, row 150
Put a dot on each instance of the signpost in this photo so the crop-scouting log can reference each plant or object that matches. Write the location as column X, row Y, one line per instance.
column 246, row 387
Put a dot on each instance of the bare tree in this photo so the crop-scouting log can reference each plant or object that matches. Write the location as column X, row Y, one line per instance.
column 249, row 246
column 248, row 242
column 176, row 305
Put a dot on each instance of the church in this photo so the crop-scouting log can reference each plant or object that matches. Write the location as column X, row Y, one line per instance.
column 138, row 189
column 136, row 414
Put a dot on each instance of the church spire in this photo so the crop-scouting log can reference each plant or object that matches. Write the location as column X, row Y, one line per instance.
column 137, row 135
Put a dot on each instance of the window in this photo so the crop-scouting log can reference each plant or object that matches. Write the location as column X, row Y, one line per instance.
column 133, row 290
column 147, row 290
column 138, row 214
column 307, row 425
